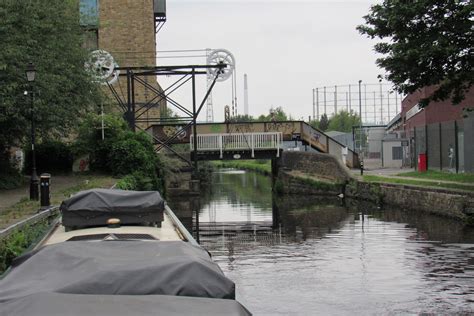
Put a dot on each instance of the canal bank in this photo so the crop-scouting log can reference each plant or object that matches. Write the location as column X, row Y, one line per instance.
column 297, row 173
column 456, row 204
column 302, row 255
column 321, row 174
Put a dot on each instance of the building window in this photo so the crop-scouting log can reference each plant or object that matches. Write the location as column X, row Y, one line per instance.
column 397, row 153
column 89, row 13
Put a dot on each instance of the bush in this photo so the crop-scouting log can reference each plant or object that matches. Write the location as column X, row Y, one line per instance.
column 122, row 153
column 90, row 142
column 128, row 182
column 51, row 156
column 10, row 178
column 139, row 181
column 132, row 152
column 133, row 155
column 18, row 242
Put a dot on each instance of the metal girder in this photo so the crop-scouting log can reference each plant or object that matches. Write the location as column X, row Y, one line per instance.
column 133, row 115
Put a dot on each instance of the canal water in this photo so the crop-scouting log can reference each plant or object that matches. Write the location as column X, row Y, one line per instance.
column 317, row 256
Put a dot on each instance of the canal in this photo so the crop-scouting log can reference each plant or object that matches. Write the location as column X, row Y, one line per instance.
column 297, row 255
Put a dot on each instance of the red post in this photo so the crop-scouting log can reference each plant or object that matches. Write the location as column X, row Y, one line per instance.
column 421, row 162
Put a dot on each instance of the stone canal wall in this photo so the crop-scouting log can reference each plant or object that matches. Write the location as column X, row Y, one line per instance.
column 301, row 184
column 323, row 166
column 304, row 173
column 309, row 173
column 181, row 183
column 449, row 203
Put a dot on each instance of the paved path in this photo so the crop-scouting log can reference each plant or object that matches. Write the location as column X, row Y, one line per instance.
column 58, row 183
column 382, row 171
column 392, row 173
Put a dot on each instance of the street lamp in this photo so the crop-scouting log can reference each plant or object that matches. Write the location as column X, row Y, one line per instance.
column 381, row 99
column 360, row 131
column 34, row 181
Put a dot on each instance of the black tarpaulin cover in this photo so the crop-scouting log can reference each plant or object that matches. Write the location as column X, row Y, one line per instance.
column 94, row 207
column 56, row 304
column 118, row 268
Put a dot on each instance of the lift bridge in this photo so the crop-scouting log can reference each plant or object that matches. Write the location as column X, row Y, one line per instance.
column 209, row 141
column 248, row 140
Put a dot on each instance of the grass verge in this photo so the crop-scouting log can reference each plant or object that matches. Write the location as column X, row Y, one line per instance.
column 439, row 175
column 423, row 183
column 259, row 166
column 26, row 208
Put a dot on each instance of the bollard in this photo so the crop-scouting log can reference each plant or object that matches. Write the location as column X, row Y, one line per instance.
column 45, row 183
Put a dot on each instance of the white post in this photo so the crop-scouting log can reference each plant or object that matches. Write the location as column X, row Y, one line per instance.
column 220, row 145
column 278, row 144
column 252, row 144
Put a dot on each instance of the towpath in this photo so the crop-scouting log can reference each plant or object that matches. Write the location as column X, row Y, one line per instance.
column 58, row 183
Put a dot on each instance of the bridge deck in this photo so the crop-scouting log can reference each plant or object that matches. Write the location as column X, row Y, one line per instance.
column 290, row 130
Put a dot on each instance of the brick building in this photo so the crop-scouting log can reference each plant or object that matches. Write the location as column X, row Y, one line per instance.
column 442, row 131
column 125, row 29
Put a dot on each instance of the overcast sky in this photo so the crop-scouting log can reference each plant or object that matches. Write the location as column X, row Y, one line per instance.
column 286, row 48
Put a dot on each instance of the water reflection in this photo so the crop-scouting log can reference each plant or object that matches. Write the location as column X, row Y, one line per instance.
column 302, row 256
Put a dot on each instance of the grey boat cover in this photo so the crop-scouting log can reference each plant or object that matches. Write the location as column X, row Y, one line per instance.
column 94, row 207
column 117, row 267
column 58, row 304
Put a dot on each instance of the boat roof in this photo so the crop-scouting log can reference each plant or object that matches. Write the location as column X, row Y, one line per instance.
column 117, row 267
column 58, row 304
column 166, row 232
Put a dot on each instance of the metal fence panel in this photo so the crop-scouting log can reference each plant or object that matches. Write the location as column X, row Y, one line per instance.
column 460, row 145
column 468, row 129
column 434, row 146
column 420, row 142
column 448, row 141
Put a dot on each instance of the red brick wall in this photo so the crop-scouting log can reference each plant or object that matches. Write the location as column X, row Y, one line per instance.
column 436, row 112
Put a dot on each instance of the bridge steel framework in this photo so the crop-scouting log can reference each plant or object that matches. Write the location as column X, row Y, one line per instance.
column 133, row 114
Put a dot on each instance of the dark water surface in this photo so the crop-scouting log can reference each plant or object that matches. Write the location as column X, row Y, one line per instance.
column 312, row 256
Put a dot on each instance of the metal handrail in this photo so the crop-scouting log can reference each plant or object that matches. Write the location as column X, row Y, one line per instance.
column 186, row 234
column 50, row 212
column 238, row 141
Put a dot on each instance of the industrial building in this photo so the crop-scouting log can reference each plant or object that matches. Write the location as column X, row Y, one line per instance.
column 439, row 136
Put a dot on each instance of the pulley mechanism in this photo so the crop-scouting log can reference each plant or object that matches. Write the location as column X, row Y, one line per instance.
column 220, row 56
column 102, row 66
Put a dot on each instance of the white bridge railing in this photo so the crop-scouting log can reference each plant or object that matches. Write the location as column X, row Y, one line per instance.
column 241, row 141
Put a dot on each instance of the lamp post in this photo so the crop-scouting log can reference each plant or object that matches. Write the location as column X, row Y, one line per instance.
column 381, row 99
column 34, row 181
column 360, row 131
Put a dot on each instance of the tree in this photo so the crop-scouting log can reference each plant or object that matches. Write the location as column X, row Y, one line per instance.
column 46, row 33
column 242, row 118
column 343, row 121
column 425, row 43
column 314, row 123
column 323, row 122
column 274, row 115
